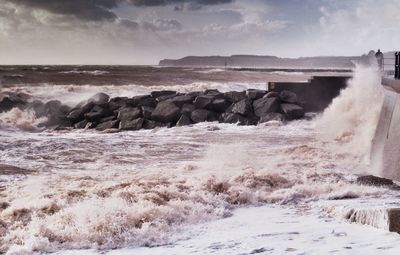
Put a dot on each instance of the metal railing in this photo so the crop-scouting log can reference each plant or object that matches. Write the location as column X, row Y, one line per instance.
column 391, row 65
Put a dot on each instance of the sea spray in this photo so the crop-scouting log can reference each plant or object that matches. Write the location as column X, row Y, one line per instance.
column 352, row 117
column 21, row 119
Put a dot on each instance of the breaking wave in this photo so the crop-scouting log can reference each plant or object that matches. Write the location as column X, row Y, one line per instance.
column 131, row 189
column 352, row 118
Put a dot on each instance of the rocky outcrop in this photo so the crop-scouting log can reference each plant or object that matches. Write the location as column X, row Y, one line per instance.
column 165, row 109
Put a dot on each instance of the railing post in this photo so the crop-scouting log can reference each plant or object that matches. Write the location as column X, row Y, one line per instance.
column 397, row 65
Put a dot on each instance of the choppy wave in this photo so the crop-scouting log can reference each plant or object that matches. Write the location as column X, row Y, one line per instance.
column 104, row 191
column 95, row 72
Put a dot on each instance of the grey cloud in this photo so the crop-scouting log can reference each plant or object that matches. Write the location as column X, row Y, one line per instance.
column 163, row 25
column 167, row 2
column 102, row 10
column 88, row 10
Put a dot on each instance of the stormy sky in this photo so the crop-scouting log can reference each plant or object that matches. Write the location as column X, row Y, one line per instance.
column 145, row 31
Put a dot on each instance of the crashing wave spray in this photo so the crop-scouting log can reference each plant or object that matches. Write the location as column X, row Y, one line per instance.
column 352, row 117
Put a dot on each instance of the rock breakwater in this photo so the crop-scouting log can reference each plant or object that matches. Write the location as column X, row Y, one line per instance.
column 164, row 108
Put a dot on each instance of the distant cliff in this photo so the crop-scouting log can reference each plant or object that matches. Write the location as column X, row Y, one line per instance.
column 265, row 61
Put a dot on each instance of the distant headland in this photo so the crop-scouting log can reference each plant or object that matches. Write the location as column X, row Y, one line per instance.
column 251, row 61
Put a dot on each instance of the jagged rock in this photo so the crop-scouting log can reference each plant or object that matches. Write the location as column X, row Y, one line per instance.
column 81, row 124
column 203, row 101
column 181, row 100
column 97, row 113
column 6, row 104
column 129, row 113
column 235, row 96
column 220, row 105
column 53, row 106
column 10, row 100
column 78, row 114
column 150, row 124
column 374, row 181
column 166, row 97
column 147, row 111
column 214, row 93
column 292, row 111
column 184, row 120
column 188, row 108
column 99, row 98
column 91, row 125
column 243, row 107
column 166, row 112
column 135, row 124
column 107, row 125
column 194, row 94
column 138, row 101
column 272, row 116
column 202, row 115
column 157, row 94
column 232, row 118
column 271, row 94
column 265, row 105
column 106, row 119
column 288, row 97
column 39, row 108
column 254, row 94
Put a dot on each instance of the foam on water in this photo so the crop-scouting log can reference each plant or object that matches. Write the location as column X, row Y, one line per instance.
column 113, row 190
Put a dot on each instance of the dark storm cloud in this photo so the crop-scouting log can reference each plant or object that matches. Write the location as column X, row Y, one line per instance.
column 102, row 10
column 167, row 2
column 93, row 10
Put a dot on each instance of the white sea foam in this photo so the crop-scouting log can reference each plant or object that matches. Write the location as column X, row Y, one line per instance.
column 142, row 188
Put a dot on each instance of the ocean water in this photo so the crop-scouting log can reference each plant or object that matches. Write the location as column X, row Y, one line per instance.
column 208, row 188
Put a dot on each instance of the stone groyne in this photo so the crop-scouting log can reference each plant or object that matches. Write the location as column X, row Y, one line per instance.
column 162, row 109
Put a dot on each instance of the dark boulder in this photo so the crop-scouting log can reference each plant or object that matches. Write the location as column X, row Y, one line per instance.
column 39, row 108
column 81, row 124
column 254, row 94
column 135, row 124
column 129, row 113
column 243, row 107
column 288, row 97
column 188, row 108
column 194, row 93
column 184, row 120
column 181, row 100
column 214, row 92
column 99, row 98
column 233, row 118
column 371, row 180
column 9, row 100
column 108, row 125
column 292, row 111
column 97, row 113
column 166, row 112
column 53, row 106
column 78, row 114
column 202, row 115
column 147, row 111
column 161, row 93
column 106, row 119
column 166, row 97
column 6, row 103
column 151, row 124
column 272, row 116
column 265, row 105
column 220, row 105
column 271, row 94
column 235, row 96
column 203, row 101
column 138, row 101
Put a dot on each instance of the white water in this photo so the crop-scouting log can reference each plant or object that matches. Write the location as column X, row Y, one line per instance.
column 104, row 191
